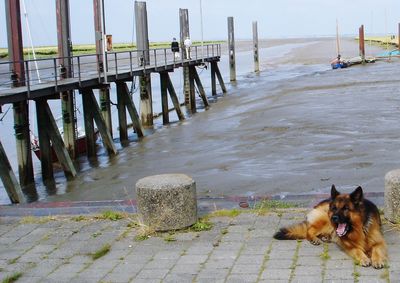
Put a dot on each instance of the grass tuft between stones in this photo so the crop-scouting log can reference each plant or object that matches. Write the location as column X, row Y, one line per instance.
column 101, row 252
column 12, row 278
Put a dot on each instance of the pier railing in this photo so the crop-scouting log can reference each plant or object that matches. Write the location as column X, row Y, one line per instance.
column 83, row 67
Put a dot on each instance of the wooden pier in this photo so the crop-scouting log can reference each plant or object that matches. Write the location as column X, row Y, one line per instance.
column 19, row 83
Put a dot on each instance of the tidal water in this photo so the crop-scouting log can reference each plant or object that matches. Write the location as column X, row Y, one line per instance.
column 296, row 127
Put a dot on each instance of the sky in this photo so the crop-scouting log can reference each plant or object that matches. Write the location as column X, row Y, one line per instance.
column 276, row 19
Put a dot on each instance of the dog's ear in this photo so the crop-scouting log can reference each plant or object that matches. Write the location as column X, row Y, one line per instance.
column 357, row 196
column 334, row 192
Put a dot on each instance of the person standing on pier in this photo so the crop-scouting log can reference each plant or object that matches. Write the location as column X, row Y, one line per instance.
column 188, row 44
column 175, row 48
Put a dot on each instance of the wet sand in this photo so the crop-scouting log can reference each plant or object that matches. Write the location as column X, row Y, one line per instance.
column 297, row 127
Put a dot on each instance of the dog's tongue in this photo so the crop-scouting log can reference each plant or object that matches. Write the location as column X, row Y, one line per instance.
column 341, row 229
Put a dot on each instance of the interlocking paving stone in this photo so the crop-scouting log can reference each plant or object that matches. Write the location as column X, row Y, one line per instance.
column 59, row 251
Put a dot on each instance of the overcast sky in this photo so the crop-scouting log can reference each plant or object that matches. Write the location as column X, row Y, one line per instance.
column 276, row 18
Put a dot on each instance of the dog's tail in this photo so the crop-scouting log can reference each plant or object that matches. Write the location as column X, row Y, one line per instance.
column 294, row 232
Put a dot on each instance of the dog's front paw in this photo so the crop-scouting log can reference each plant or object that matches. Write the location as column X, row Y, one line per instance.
column 378, row 263
column 315, row 241
column 326, row 238
column 365, row 262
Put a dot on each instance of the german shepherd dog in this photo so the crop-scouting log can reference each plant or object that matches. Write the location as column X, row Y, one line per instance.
column 350, row 220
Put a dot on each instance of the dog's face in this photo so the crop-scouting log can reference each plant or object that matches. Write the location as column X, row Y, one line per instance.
column 344, row 210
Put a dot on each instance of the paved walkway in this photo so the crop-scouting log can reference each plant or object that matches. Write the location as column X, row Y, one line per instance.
column 236, row 249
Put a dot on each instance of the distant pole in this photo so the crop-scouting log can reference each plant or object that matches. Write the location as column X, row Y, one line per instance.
column 202, row 33
column 231, row 48
column 398, row 38
column 255, row 45
column 362, row 43
column 142, row 43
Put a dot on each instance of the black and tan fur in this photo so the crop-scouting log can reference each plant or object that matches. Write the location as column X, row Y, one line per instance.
column 350, row 220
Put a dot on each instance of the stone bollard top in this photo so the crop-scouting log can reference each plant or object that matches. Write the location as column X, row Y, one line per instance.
column 164, row 181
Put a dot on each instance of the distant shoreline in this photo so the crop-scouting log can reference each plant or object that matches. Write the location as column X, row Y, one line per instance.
column 81, row 49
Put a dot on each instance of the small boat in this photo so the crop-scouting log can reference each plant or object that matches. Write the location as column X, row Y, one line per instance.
column 339, row 65
column 80, row 144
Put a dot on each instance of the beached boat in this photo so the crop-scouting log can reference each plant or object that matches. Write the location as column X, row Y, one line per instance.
column 80, row 144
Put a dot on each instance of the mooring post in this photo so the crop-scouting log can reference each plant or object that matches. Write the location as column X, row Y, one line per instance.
column 10, row 182
column 231, row 48
column 255, row 48
column 398, row 38
column 123, row 126
column 104, row 90
column 213, row 80
column 142, row 42
column 184, row 33
column 192, row 96
column 65, row 61
column 21, row 109
column 362, row 43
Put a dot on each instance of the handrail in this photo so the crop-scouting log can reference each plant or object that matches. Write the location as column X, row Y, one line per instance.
column 86, row 65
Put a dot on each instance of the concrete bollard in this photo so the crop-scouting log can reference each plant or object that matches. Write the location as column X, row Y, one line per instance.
column 167, row 202
column 392, row 196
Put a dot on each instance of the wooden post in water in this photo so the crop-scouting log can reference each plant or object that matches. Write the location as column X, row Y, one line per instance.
column 184, row 33
column 64, row 54
column 199, row 86
column 217, row 73
column 48, row 132
column 142, row 42
column 104, row 90
column 398, row 38
column 174, row 98
column 164, row 97
column 10, row 183
column 231, row 49
column 362, row 43
column 125, row 103
column 21, row 109
column 91, row 113
column 255, row 48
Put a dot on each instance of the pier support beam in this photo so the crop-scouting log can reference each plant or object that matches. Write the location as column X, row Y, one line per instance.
column 65, row 53
column 199, row 86
column 48, row 132
column 91, row 112
column 216, row 73
column 231, row 49
column 362, row 43
column 184, row 33
column 255, row 48
column 166, row 86
column 125, row 103
column 142, row 41
column 10, row 182
column 21, row 109
column 105, row 107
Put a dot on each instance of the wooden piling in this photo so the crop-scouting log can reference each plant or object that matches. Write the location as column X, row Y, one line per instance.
column 174, row 98
column 52, row 134
column 91, row 111
column 184, row 33
column 64, row 53
column 213, row 80
column 125, row 103
column 123, row 126
column 46, row 159
column 362, row 43
column 231, row 49
column 21, row 109
column 200, row 86
column 164, row 97
column 192, row 97
column 142, row 41
column 214, row 66
column 10, row 182
column 255, row 48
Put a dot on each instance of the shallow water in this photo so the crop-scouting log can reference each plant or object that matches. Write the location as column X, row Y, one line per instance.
column 294, row 128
